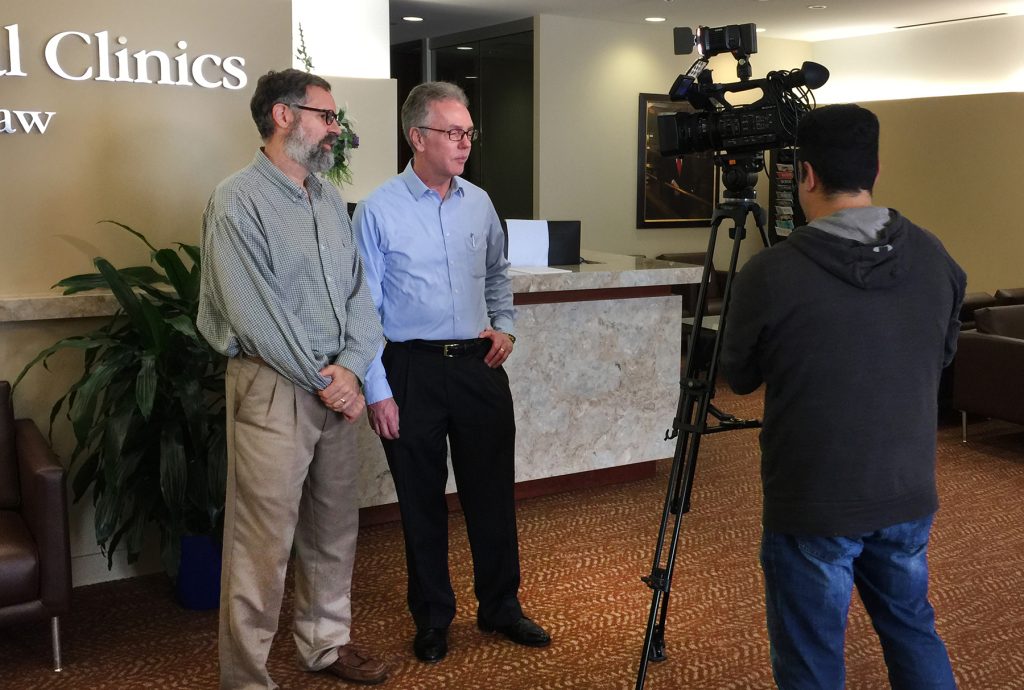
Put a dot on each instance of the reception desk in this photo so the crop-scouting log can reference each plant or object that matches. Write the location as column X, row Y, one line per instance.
column 594, row 376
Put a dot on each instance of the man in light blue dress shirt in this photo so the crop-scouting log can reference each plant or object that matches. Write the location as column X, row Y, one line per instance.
column 432, row 247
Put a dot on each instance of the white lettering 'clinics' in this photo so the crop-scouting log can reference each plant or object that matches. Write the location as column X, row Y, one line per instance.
column 139, row 67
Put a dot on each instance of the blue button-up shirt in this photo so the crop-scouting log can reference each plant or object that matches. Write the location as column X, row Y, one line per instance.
column 436, row 268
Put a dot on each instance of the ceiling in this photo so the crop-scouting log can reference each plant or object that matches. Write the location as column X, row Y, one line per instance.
column 789, row 19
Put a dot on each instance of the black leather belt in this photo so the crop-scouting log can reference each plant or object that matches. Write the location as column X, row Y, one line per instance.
column 450, row 348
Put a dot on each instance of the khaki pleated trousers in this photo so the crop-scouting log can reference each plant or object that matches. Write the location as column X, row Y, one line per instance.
column 292, row 472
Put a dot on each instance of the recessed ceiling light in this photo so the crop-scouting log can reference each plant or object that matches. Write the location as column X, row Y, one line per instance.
column 470, row 76
column 817, row 7
column 761, row 30
column 654, row 19
column 412, row 19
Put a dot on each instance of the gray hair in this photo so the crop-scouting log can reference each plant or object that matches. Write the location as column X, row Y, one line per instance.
column 416, row 107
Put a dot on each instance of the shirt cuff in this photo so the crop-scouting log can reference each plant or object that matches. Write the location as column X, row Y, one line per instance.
column 504, row 324
column 376, row 386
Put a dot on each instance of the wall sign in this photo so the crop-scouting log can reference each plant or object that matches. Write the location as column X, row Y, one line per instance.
column 102, row 60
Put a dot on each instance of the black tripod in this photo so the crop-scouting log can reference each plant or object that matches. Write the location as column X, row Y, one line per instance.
column 696, row 389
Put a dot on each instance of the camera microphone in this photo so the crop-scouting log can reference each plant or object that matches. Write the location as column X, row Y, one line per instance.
column 811, row 74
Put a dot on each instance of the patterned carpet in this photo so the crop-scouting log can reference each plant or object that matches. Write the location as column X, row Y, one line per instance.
column 582, row 555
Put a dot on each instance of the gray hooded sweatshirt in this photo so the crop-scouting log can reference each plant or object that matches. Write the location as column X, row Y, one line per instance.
column 848, row 324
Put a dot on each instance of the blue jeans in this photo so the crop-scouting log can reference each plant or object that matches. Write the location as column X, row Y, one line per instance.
column 808, row 584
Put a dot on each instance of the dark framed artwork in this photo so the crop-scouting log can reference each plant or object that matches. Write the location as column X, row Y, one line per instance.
column 671, row 192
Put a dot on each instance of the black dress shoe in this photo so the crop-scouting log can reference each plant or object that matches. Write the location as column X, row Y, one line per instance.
column 430, row 644
column 523, row 631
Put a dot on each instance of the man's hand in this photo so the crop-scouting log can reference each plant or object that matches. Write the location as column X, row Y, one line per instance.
column 383, row 417
column 501, row 347
column 342, row 394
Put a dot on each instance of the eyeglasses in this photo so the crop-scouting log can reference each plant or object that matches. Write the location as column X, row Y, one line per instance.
column 329, row 116
column 456, row 134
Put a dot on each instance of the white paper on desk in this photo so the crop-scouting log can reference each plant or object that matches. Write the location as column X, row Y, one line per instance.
column 527, row 242
column 536, row 270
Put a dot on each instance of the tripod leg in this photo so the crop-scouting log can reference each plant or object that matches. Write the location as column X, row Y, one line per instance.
column 691, row 414
column 677, row 499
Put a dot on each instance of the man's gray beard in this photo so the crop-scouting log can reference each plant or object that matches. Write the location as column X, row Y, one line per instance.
column 310, row 156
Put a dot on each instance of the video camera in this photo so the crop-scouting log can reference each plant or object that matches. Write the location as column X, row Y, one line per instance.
column 718, row 126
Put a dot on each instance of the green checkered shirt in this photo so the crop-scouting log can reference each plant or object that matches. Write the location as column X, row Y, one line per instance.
column 282, row 278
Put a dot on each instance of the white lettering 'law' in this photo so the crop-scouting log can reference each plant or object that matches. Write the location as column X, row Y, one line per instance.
column 30, row 120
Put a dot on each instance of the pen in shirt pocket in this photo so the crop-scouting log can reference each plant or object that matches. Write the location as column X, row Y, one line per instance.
column 472, row 240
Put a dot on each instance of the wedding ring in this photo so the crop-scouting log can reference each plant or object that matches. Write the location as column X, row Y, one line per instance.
column 343, row 401
column 501, row 349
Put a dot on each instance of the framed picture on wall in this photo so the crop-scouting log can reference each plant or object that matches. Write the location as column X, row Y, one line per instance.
column 671, row 192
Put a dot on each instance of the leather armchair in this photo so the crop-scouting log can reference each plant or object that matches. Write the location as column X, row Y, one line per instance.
column 973, row 301
column 35, row 557
column 989, row 378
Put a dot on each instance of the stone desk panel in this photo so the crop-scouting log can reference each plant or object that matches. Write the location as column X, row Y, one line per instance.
column 594, row 375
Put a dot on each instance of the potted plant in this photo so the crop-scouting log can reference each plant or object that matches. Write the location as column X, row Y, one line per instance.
column 148, row 411
column 341, row 172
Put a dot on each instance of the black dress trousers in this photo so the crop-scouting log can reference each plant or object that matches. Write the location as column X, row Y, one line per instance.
column 468, row 404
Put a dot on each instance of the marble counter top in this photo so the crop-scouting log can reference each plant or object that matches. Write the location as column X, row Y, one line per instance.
column 603, row 272
column 40, row 307
column 608, row 271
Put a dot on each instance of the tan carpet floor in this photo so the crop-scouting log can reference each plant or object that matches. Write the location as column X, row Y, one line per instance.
column 582, row 555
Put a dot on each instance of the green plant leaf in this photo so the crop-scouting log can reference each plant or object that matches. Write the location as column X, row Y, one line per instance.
column 145, row 385
column 115, row 431
column 156, row 325
column 134, row 275
column 184, row 325
column 170, row 552
column 172, row 466
column 77, row 342
column 83, row 409
column 126, row 298
column 108, row 514
column 134, row 232
column 129, row 515
column 136, row 530
column 84, row 476
column 217, row 472
column 177, row 274
column 193, row 253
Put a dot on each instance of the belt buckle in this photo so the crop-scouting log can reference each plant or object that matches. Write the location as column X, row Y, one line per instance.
column 450, row 350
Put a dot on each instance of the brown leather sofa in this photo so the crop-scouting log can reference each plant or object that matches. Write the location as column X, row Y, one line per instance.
column 973, row 301
column 1006, row 296
column 35, row 557
column 989, row 378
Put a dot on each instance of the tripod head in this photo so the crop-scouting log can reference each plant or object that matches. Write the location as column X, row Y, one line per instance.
column 739, row 174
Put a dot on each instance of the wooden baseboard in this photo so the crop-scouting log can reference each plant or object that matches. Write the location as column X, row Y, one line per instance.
column 376, row 515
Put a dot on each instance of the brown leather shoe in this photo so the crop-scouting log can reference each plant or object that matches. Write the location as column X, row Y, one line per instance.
column 358, row 667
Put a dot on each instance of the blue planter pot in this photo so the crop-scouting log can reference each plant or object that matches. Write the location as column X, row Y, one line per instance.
column 198, row 586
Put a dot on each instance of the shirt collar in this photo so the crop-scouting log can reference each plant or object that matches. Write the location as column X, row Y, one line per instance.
column 417, row 188
column 267, row 168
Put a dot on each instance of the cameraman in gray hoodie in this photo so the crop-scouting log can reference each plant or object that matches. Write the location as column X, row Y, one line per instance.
column 848, row 324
